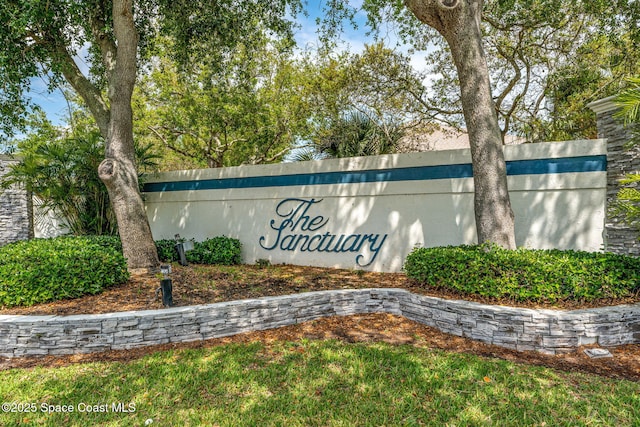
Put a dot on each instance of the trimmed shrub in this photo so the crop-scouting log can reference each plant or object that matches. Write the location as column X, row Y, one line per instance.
column 218, row 250
column 109, row 242
column 525, row 274
column 42, row 270
column 167, row 250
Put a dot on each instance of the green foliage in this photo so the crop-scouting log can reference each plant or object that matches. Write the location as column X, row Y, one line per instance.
column 248, row 111
column 360, row 104
column 547, row 59
column 213, row 30
column 218, row 250
column 167, row 250
column 60, row 167
column 43, row 37
column 628, row 199
column 42, row 270
column 352, row 135
column 524, row 274
column 110, row 242
column 357, row 134
column 629, row 102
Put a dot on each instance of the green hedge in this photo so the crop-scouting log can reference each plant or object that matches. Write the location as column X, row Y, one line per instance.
column 218, row 250
column 42, row 270
column 524, row 274
column 167, row 250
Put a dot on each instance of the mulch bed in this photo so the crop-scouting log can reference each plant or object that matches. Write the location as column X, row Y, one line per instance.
column 203, row 285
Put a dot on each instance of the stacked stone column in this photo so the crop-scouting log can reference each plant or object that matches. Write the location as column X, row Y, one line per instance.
column 621, row 160
column 15, row 210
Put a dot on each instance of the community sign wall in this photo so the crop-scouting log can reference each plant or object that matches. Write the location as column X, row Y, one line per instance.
column 370, row 212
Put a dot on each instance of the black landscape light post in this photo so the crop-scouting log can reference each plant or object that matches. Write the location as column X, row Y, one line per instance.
column 166, row 287
column 182, row 248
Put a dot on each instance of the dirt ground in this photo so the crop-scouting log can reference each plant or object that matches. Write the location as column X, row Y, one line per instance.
column 202, row 285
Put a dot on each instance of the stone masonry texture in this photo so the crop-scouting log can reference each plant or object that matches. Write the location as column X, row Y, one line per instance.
column 14, row 210
column 621, row 160
column 547, row 331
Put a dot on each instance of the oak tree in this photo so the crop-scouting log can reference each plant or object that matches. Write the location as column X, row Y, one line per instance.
column 458, row 21
column 248, row 111
column 547, row 59
column 48, row 38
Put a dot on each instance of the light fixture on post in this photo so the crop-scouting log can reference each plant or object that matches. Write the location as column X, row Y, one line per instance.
column 182, row 246
column 166, row 286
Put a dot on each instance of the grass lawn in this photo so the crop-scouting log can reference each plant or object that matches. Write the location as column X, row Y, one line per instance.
column 317, row 383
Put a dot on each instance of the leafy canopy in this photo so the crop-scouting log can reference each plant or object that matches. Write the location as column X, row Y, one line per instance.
column 59, row 165
column 245, row 109
column 48, row 38
column 547, row 59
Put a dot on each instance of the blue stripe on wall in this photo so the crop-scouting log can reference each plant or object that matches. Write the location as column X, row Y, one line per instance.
column 417, row 173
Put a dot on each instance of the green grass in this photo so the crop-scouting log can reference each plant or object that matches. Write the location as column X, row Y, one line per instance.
column 318, row 383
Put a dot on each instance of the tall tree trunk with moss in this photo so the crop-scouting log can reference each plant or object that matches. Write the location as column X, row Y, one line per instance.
column 115, row 121
column 118, row 169
column 458, row 21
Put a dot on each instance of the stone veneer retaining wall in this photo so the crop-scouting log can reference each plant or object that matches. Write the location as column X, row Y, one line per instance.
column 547, row 331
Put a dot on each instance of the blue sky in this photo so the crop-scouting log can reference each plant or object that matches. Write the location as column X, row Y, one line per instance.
column 53, row 103
column 351, row 38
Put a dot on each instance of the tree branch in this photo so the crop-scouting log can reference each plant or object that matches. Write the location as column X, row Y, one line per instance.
column 87, row 90
column 511, row 59
column 158, row 134
column 168, row 144
column 103, row 39
column 125, row 68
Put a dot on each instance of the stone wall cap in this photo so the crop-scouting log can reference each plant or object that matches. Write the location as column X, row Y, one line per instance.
column 603, row 105
column 10, row 158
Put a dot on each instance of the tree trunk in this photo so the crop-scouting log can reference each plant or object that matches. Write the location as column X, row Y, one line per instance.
column 458, row 21
column 118, row 169
column 120, row 177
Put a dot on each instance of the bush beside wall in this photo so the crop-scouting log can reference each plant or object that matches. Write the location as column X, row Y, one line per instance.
column 167, row 250
column 525, row 274
column 218, row 250
column 43, row 270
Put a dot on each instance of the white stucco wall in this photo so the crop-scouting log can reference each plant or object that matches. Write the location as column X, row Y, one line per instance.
column 383, row 206
column 47, row 224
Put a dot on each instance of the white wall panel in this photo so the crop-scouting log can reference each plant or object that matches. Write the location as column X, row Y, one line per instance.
column 382, row 206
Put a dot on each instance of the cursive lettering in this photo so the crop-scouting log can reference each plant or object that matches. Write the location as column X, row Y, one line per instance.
column 294, row 227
